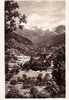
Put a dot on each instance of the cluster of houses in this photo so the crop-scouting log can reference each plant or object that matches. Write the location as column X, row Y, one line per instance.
column 41, row 61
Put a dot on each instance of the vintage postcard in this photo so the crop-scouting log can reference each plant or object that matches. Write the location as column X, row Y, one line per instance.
column 34, row 49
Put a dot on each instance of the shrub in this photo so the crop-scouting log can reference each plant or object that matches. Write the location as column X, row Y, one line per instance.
column 39, row 78
column 13, row 93
column 13, row 82
column 34, row 92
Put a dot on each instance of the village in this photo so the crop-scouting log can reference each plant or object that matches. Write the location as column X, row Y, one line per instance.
column 28, row 74
column 34, row 49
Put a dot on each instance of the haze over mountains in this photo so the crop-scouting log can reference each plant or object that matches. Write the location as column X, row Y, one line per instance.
column 46, row 37
column 27, row 41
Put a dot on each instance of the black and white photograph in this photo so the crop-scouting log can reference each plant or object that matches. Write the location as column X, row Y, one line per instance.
column 35, row 34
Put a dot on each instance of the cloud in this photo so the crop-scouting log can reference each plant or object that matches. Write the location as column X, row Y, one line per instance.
column 43, row 14
column 43, row 22
column 43, row 0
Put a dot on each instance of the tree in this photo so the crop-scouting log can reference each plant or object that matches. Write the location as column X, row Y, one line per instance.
column 22, row 20
column 24, row 77
column 39, row 78
column 59, row 70
column 11, row 13
column 34, row 92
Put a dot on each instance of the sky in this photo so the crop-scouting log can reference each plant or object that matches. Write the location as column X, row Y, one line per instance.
column 43, row 14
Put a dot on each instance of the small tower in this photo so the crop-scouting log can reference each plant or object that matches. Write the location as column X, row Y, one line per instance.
column 52, row 64
column 43, row 55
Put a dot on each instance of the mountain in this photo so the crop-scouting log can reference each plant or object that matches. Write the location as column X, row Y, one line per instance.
column 27, row 41
column 58, row 40
column 53, row 38
column 60, row 29
column 33, row 35
column 47, row 38
column 18, row 42
column 20, row 38
column 38, row 35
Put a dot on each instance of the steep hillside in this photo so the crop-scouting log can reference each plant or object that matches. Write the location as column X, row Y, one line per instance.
column 53, row 38
column 33, row 35
column 58, row 40
column 18, row 42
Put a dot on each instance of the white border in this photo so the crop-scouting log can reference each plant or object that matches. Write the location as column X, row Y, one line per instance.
column 2, row 63
column 2, row 76
column 67, row 48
